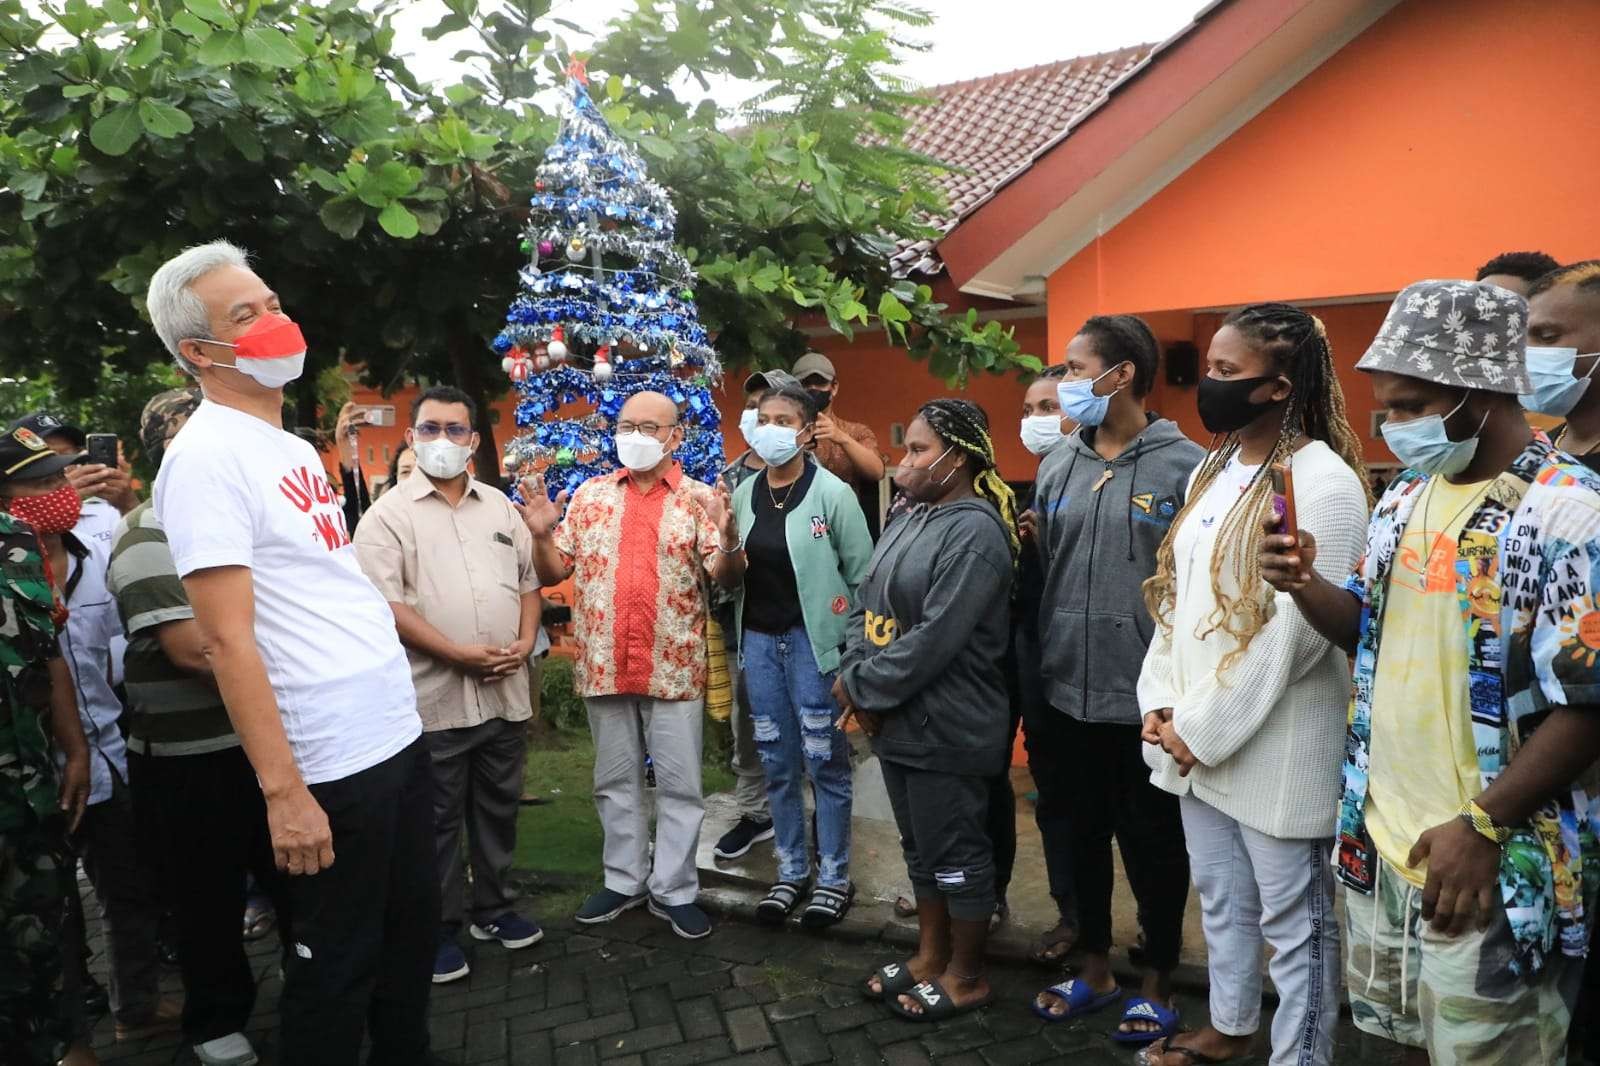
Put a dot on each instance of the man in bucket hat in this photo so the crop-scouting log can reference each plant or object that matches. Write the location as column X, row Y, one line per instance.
column 1467, row 830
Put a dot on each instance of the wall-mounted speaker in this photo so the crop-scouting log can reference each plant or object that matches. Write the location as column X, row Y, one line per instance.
column 1183, row 363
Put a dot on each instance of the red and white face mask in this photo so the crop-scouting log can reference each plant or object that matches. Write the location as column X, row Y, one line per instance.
column 52, row 512
column 272, row 351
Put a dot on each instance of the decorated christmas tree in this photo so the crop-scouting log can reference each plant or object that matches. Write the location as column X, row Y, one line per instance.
column 605, row 309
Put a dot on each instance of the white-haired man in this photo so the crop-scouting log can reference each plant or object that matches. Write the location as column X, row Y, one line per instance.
column 304, row 652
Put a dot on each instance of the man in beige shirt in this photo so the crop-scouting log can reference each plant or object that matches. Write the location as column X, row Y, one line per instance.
column 455, row 561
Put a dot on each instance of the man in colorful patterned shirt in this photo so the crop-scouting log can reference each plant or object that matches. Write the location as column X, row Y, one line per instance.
column 637, row 544
column 38, row 1015
column 1469, row 819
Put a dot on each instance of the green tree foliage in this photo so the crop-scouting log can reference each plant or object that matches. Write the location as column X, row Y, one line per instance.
column 385, row 211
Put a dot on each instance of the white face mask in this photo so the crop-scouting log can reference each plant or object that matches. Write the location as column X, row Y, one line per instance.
column 270, row 373
column 747, row 424
column 640, row 452
column 440, row 458
column 1041, row 433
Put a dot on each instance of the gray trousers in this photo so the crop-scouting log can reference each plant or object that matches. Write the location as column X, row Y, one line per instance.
column 672, row 730
column 750, row 780
column 477, row 781
column 130, row 903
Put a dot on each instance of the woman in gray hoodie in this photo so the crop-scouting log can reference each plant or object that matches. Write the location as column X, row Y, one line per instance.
column 922, row 672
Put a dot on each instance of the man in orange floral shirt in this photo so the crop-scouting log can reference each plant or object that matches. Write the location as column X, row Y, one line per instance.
column 637, row 545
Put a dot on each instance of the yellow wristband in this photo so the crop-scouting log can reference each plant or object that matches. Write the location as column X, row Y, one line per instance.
column 1479, row 819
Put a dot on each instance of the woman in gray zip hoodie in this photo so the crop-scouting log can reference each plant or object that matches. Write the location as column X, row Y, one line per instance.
column 922, row 671
column 1103, row 504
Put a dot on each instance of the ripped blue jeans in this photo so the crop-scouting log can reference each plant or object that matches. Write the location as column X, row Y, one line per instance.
column 793, row 714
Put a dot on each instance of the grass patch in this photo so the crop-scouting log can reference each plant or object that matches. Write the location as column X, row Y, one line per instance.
column 789, row 982
column 560, row 841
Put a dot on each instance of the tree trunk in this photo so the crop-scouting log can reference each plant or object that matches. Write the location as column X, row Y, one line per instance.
column 467, row 360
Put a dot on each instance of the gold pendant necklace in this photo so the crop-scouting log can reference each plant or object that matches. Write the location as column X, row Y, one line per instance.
column 774, row 497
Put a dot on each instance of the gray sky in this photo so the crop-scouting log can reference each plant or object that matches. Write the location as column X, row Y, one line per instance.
column 969, row 38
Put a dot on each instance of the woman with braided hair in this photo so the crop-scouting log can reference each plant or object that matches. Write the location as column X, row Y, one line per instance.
column 923, row 675
column 1244, row 700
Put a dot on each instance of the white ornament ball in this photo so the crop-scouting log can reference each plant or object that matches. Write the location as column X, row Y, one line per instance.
column 505, row 364
column 557, row 350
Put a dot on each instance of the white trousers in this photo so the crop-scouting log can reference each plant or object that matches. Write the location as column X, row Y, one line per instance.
column 1255, row 890
column 622, row 726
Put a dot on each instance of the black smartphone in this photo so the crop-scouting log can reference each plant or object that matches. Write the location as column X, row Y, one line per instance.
column 102, row 448
column 557, row 615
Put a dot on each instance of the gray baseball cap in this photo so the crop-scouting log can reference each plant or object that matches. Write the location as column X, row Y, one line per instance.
column 770, row 379
column 1465, row 334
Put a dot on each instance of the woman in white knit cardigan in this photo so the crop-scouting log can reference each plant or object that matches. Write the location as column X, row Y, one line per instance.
column 1244, row 702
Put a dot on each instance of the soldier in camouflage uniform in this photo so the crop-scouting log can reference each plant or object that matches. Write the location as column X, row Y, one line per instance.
column 38, row 1017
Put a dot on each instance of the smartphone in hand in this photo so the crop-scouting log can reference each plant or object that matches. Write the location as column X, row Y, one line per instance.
column 1283, row 499
column 102, row 449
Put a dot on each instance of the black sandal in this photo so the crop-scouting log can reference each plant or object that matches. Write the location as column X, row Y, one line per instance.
column 893, row 979
column 1063, row 936
column 936, row 1003
column 779, row 902
column 827, row 906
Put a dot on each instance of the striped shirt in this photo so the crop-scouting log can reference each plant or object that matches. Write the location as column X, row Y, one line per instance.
column 171, row 711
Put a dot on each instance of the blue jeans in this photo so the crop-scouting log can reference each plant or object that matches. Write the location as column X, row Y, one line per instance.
column 793, row 713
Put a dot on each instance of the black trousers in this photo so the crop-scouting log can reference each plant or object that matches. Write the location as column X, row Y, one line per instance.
column 365, row 929
column 203, row 819
column 1001, row 824
column 942, row 821
column 1093, row 783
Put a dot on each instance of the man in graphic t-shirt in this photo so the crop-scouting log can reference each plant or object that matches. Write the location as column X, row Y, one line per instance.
column 304, row 652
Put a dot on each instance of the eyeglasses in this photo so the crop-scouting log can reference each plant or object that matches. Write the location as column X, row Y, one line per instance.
column 457, row 433
column 649, row 429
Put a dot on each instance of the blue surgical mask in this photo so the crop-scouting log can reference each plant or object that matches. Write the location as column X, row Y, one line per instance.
column 1079, row 403
column 747, row 424
column 775, row 444
column 1423, row 445
column 1555, row 390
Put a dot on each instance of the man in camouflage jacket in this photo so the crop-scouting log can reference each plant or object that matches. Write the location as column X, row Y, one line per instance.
column 38, row 807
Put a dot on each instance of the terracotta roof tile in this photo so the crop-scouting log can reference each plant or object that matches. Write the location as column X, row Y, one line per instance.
column 988, row 127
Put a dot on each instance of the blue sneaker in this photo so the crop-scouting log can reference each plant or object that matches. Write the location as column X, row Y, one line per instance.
column 511, row 929
column 687, row 920
column 450, row 963
column 605, row 905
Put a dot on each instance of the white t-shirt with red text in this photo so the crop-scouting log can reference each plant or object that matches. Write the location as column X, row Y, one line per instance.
column 236, row 491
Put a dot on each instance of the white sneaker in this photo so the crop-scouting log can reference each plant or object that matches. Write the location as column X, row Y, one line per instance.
column 231, row 1050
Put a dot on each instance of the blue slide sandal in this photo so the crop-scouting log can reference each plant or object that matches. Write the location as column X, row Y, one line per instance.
column 1079, row 998
column 1144, row 1010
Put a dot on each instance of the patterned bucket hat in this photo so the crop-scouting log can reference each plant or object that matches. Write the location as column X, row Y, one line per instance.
column 1465, row 334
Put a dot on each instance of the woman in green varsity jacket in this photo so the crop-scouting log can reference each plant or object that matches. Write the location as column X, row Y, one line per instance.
column 807, row 545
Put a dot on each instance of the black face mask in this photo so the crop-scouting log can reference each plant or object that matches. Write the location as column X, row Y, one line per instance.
column 1226, row 406
column 820, row 398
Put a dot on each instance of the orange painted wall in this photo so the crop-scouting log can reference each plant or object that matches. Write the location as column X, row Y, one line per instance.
column 1429, row 143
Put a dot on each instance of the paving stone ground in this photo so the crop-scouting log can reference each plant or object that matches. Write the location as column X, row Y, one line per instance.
column 633, row 994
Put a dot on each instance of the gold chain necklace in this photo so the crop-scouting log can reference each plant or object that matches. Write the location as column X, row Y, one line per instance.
column 774, row 497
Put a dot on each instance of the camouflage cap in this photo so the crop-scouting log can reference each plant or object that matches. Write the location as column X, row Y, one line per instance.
column 163, row 410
